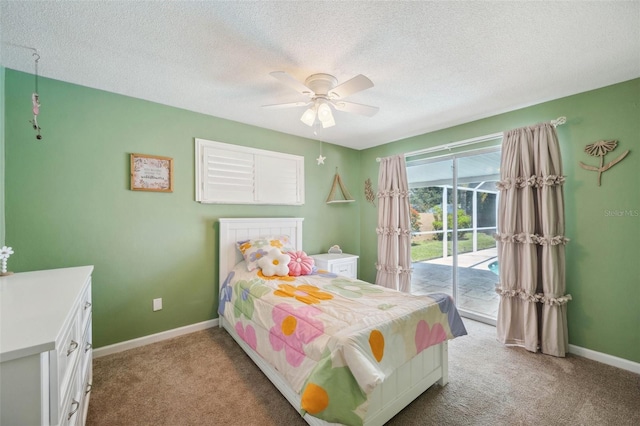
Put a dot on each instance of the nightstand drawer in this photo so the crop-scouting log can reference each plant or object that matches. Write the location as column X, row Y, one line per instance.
column 343, row 264
column 347, row 269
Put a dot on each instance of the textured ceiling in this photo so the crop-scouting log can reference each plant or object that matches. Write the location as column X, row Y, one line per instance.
column 434, row 64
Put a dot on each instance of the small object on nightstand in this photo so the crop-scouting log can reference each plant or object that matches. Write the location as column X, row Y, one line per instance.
column 335, row 250
column 344, row 264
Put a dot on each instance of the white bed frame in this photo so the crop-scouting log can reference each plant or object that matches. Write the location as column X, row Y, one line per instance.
column 396, row 392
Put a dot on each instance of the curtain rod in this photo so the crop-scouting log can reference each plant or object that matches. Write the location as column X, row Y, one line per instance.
column 555, row 123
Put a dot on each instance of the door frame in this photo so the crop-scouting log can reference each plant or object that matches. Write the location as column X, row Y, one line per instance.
column 454, row 234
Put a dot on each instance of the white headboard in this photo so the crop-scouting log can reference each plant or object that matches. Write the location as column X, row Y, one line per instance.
column 238, row 229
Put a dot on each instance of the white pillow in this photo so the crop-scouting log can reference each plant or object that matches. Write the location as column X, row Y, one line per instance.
column 274, row 263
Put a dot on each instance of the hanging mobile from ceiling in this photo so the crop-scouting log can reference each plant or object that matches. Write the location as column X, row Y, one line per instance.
column 35, row 100
column 321, row 157
column 324, row 93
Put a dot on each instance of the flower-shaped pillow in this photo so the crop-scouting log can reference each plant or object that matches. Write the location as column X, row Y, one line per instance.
column 300, row 263
column 253, row 250
column 274, row 263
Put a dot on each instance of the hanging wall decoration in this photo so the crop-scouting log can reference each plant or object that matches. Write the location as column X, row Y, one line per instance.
column 35, row 100
column 337, row 182
column 368, row 192
column 600, row 149
column 35, row 97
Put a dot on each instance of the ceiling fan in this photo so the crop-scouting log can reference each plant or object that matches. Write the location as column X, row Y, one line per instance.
column 324, row 92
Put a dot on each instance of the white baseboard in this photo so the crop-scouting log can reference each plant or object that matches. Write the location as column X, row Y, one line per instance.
column 614, row 361
column 152, row 338
column 622, row 363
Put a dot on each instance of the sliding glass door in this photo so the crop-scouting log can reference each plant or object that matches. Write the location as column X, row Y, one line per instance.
column 453, row 216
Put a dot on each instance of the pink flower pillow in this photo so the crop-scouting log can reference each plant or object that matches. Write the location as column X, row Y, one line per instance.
column 300, row 264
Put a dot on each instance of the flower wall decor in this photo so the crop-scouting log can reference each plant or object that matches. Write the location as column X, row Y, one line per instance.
column 600, row 149
column 5, row 252
column 368, row 192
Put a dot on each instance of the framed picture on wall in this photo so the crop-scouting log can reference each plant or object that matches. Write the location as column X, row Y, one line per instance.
column 151, row 173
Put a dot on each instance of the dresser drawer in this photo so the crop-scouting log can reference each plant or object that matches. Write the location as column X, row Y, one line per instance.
column 85, row 306
column 67, row 355
column 87, row 349
column 75, row 402
column 70, row 409
column 85, row 370
column 85, row 389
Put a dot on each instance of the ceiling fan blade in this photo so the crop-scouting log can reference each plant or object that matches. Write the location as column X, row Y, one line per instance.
column 287, row 105
column 355, row 108
column 292, row 82
column 349, row 87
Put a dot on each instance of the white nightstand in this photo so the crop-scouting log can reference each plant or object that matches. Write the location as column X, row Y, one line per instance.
column 342, row 264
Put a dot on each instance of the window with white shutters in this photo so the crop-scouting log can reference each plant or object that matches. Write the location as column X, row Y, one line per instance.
column 232, row 174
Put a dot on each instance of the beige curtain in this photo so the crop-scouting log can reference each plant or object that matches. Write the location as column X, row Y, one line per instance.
column 394, row 225
column 531, row 242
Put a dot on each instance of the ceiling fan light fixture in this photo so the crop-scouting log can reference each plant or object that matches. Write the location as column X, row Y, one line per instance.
column 326, row 124
column 309, row 116
column 325, row 93
column 325, row 115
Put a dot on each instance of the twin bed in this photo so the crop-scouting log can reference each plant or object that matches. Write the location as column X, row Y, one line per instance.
column 340, row 350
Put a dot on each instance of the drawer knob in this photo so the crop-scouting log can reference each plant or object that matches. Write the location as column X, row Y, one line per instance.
column 87, row 347
column 87, row 305
column 73, row 410
column 72, row 347
column 89, row 386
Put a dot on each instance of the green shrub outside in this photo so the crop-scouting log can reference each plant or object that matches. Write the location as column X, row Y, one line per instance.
column 464, row 221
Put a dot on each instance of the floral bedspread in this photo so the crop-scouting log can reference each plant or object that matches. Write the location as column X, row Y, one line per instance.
column 334, row 339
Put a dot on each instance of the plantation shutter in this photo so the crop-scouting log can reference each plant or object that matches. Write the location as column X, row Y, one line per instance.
column 231, row 174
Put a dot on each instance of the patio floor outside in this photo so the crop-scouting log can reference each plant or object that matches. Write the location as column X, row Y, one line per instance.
column 476, row 283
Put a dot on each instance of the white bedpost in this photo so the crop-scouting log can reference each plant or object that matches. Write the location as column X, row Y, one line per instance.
column 444, row 363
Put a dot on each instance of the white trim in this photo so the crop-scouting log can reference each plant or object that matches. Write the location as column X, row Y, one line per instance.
column 449, row 146
column 458, row 144
column 153, row 338
column 611, row 360
column 614, row 361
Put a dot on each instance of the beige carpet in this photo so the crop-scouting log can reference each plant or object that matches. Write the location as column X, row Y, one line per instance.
column 204, row 378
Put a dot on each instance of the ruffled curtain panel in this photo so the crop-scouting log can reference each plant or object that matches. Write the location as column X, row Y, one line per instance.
column 394, row 225
column 531, row 242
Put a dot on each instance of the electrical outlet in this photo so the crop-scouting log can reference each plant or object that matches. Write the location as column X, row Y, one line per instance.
column 157, row 304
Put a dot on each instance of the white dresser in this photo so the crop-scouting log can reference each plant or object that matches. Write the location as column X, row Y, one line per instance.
column 342, row 264
column 45, row 347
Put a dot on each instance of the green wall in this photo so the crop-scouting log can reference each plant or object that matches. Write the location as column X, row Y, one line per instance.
column 68, row 201
column 603, row 223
